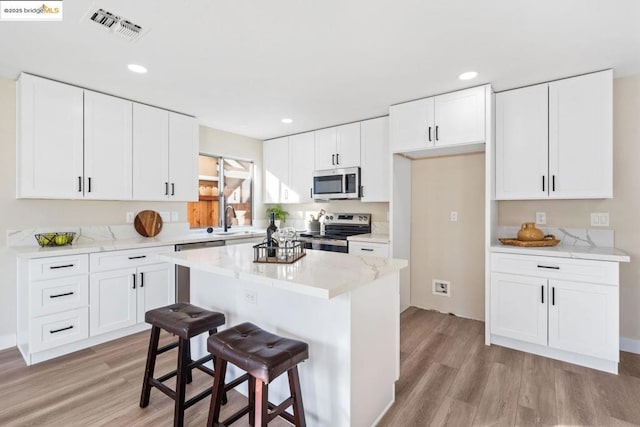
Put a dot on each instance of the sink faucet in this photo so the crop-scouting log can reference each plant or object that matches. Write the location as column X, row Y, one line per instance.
column 227, row 222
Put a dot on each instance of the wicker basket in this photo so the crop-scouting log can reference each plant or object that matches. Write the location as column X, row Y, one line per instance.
column 55, row 239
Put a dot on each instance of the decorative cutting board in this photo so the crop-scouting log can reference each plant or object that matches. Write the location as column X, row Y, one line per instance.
column 148, row 223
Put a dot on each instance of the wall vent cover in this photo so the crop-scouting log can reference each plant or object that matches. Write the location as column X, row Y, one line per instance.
column 116, row 25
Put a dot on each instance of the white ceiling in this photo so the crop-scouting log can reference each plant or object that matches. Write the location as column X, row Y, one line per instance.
column 242, row 65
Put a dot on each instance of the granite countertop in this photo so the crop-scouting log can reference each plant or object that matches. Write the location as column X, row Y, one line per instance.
column 370, row 238
column 319, row 274
column 90, row 246
column 597, row 253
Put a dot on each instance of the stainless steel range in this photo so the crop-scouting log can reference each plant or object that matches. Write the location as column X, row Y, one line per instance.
column 337, row 227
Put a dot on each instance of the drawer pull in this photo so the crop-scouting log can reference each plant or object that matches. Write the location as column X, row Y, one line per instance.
column 551, row 267
column 366, row 249
column 137, row 257
column 55, row 331
column 61, row 295
column 55, row 267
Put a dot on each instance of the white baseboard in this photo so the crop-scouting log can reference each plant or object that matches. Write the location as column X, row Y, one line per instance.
column 632, row 346
column 7, row 341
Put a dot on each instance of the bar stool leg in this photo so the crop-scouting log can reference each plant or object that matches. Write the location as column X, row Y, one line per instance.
column 150, row 366
column 218, row 392
column 261, row 402
column 294, row 387
column 189, row 371
column 181, row 382
column 251, row 393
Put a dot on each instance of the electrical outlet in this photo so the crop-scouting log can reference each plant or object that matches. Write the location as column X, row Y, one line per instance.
column 174, row 216
column 250, row 297
column 600, row 219
column 441, row 287
column 541, row 218
column 453, row 216
column 166, row 216
column 129, row 218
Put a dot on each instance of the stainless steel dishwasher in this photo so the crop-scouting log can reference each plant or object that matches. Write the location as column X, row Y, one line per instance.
column 183, row 273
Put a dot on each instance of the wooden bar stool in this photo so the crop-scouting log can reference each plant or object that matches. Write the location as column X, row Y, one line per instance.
column 264, row 356
column 185, row 321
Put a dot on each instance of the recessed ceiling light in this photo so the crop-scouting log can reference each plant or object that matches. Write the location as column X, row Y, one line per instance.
column 287, row 120
column 468, row 75
column 137, row 68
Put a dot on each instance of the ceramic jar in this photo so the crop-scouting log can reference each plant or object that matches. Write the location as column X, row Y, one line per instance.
column 529, row 232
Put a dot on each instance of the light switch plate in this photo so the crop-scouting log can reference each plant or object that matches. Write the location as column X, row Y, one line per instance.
column 541, row 218
column 130, row 217
column 600, row 219
column 174, row 216
column 166, row 216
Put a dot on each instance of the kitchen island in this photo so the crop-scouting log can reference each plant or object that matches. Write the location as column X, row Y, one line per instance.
column 345, row 307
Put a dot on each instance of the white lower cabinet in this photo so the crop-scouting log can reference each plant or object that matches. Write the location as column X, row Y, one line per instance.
column 113, row 300
column 554, row 304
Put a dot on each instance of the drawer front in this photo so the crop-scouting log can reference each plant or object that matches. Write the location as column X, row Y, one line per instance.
column 374, row 249
column 61, row 266
column 104, row 261
column 576, row 270
column 57, row 295
column 59, row 329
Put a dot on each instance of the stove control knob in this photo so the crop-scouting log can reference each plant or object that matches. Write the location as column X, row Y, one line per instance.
column 361, row 218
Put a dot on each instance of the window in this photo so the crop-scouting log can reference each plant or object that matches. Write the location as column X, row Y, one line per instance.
column 222, row 182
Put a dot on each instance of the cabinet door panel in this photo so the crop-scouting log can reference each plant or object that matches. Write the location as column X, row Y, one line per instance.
column 276, row 169
column 325, row 148
column 375, row 160
column 301, row 166
column 112, row 297
column 583, row 318
column 107, row 147
column 156, row 288
column 519, row 307
column 50, row 139
column 150, row 153
column 412, row 125
column 522, row 143
column 348, row 145
column 460, row 117
column 183, row 158
column 580, row 136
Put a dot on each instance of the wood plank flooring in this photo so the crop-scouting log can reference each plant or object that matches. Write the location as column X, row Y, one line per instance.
column 448, row 378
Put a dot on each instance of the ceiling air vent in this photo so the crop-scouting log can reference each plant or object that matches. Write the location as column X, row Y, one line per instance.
column 116, row 25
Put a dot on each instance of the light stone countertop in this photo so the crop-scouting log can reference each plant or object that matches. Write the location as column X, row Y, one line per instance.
column 596, row 253
column 319, row 274
column 370, row 238
column 129, row 243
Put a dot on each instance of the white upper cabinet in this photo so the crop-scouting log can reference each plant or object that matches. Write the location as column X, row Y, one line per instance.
column 301, row 166
column 107, row 147
column 337, row 147
column 521, row 143
column 276, row 169
column 165, row 155
column 50, row 139
column 375, row 159
column 451, row 119
column 581, row 136
column 555, row 140
column 183, row 158
column 150, row 153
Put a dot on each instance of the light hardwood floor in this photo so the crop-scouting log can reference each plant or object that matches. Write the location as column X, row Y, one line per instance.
column 448, row 377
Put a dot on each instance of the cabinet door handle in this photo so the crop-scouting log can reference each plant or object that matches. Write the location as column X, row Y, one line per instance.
column 55, row 267
column 173, row 188
column 61, row 295
column 142, row 280
column 55, row 331
column 166, row 188
column 436, row 132
column 553, row 183
column 542, row 293
column 551, row 267
column 338, row 158
column 429, row 133
column 89, row 186
column 553, row 296
column 79, row 184
column 366, row 249
column 543, row 183
column 137, row 257
column 333, row 159
column 134, row 281
column 362, row 191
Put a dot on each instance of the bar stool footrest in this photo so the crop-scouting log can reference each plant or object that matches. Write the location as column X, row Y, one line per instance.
column 167, row 347
column 280, row 410
column 236, row 416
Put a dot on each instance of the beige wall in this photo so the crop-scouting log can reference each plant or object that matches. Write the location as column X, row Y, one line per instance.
column 16, row 214
column 624, row 208
column 446, row 250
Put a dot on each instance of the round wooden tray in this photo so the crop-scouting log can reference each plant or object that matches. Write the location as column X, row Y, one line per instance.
column 549, row 240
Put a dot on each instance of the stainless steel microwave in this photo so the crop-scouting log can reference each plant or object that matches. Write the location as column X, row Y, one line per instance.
column 334, row 184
